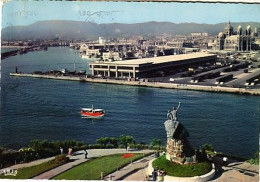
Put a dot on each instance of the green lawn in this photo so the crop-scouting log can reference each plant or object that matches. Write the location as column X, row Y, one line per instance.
column 91, row 169
column 179, row 170
column 29, row 172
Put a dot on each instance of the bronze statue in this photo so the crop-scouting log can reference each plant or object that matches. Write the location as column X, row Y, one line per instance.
column 178, row 147
column 172, row 115
column 172, row 123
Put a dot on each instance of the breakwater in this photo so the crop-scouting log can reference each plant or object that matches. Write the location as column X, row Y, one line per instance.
column 23, row 50
column 146, row 84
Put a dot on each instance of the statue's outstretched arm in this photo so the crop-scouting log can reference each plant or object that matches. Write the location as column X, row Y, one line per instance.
column 178, row 106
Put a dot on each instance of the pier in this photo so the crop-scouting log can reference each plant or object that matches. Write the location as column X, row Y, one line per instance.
column 146, row 84
column 21, row 51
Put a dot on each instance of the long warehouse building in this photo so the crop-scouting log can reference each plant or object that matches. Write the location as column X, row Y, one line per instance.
column 147, row 67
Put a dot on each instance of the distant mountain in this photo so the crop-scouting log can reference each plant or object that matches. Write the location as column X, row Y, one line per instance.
column 65, row 29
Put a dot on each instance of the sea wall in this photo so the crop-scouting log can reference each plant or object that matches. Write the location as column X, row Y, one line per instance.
column 147, row 84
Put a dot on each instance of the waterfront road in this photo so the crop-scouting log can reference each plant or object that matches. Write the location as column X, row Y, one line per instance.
column 147, row 84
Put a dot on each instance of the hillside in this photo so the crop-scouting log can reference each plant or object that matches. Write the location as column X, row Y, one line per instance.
column 65, row 29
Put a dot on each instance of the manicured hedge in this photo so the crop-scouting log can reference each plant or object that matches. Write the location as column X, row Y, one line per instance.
column 178, row 170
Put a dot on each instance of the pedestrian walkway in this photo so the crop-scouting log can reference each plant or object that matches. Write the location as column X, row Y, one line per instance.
column 235, row 171
column 246, row 167
column 29, row 164
column 79, row 157
column 130, row 169
column 235, row 176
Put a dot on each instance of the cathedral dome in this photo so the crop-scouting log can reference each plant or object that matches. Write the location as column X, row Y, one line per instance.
column 239, row 30
column 228, row 29
column 220, row 35
column 229, row 26
column 248, row 28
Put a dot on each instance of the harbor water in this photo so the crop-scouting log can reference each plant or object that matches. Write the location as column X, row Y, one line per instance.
column 34, row 108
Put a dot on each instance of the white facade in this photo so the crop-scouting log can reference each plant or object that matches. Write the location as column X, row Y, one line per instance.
column 111, row 56
column 101, row 40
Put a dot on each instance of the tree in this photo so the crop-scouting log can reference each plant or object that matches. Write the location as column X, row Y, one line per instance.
column 126, row 140
column 35, row 144
column 102, row 141
column 207, row 147
column 156, row 142
column 113, row 141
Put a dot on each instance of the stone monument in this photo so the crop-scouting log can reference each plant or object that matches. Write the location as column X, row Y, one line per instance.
column 178, row 148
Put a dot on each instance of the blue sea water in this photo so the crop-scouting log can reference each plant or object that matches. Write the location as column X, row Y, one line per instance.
column 49, row 109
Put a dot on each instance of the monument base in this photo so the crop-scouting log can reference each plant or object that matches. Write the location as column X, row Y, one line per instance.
column 180, row 151
column 202, row 178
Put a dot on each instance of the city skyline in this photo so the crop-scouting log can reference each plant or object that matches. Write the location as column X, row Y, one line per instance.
column 25, row 13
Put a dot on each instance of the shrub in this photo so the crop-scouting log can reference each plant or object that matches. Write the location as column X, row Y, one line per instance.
column 156, row 142
column 139, row 146
column 133, row 146
column 207, row 147
column 60, row 159
column 97, row 146
column 102, row 141
column 179, row 170
column 121, row 146
column 254, row 160
column 156, row 147
column 84, row 147
column 150, row 147
column 109, row 146
column 8, row 157
column 90, row 146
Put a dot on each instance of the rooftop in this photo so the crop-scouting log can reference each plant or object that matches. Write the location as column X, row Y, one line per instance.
column 158, row 60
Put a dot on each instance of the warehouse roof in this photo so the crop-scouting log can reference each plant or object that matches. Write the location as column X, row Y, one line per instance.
column 159, row 60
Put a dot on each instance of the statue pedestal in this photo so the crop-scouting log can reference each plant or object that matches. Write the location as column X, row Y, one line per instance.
column 180, row 151
column 174, row 150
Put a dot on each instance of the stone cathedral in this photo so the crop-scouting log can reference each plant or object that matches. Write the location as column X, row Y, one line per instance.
column 239, row 40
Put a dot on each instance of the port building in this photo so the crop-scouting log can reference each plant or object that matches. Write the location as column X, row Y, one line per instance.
column 147, row 67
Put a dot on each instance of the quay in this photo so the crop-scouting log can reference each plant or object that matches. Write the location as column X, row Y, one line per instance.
column 22, row 50
column 146, row 84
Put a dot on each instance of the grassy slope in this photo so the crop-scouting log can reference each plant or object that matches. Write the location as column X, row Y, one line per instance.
column 29, row 172
column 91, row 169
column 179, row 170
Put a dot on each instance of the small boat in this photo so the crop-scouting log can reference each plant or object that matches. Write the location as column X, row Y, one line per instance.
column 92, row 113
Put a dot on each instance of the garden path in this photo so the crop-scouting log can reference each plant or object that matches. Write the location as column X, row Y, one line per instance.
column 233, row 172
column 139, row 165
column 79, row 157
column 29, row 164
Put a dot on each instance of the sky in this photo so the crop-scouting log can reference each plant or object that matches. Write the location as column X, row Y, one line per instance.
column 28, row 12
